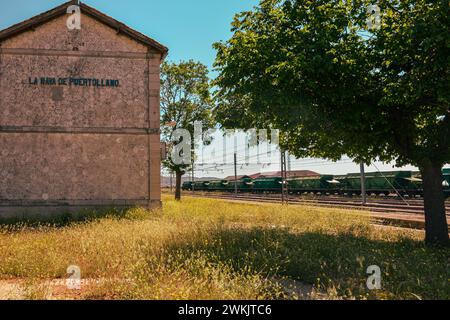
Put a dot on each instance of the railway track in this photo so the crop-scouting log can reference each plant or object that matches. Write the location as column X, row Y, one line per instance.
column 375, row 205
column 391, row 212
column 406, row 202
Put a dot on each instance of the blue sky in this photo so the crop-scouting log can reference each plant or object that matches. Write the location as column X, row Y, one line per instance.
column 187, row 27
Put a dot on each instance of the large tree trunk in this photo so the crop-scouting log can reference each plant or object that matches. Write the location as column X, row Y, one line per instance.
column 178, row 185
column 436, row 227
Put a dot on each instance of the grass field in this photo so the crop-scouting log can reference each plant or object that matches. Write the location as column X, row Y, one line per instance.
column 212, row 249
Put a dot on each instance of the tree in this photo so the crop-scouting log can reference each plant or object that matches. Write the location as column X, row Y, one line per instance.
column 185, row 99
column 314, row 70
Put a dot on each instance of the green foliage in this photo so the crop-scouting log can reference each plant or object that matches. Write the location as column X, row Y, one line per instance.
column 185, row 99
column 313, row 70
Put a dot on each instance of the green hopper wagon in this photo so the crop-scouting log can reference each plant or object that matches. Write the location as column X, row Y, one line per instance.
column 201, row 185
column 446, row 182
column 216, row 185
column 186, row 186
column 244, row 184
column 402, row 182
column 267, row 185
column 320, row 184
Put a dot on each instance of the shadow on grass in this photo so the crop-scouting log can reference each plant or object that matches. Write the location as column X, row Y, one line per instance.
column 65, row 219
column 409, row 269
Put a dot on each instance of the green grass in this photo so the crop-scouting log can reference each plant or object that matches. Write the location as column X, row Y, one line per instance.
column 212, row 249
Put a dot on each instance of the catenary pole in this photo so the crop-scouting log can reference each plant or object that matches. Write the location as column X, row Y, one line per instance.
column 235, row 175
column 363, row 183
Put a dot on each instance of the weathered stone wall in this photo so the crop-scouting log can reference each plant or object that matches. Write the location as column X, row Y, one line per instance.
column 66, row 147
column 73, row 106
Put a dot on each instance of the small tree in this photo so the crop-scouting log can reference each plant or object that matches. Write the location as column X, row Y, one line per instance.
column 185, row 99
column 333, row 86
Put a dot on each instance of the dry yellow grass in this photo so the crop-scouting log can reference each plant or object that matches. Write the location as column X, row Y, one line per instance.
column 212, row 249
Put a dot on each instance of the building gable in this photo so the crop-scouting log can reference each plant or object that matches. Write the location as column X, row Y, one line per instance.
column 49, row 31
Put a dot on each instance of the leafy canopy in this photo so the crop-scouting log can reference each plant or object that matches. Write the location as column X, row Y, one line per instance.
column 314, row 70
column 185, row 99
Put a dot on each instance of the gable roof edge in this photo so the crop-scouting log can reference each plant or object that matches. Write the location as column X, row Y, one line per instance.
column 61, row 10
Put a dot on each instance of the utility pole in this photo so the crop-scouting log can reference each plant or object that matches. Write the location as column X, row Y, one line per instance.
column 284, row 193
column 193, row 176
column 235, row 175
column 363, row 184
column 289, row 167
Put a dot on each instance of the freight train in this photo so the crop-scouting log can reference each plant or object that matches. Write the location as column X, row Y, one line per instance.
column 405, row 183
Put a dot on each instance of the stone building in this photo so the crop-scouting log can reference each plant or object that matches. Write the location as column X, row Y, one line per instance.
column 79, row 114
